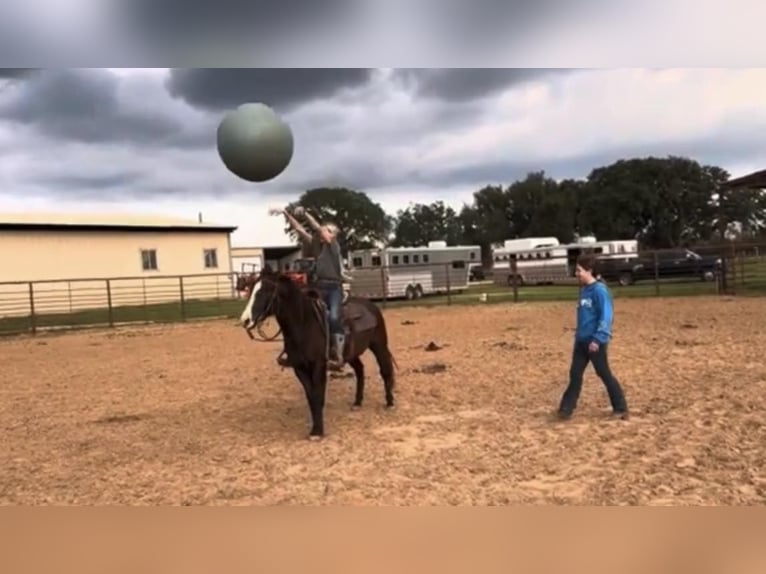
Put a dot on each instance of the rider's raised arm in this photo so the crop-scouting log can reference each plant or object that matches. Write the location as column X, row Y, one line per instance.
column 297, row 227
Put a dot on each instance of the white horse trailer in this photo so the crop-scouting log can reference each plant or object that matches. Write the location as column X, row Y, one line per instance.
column 555, row 263
column 412, row 272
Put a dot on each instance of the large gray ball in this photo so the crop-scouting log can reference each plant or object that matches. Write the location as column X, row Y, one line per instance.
column 254, row 143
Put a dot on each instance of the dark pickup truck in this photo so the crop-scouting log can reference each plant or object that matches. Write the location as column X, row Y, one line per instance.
column 672, row 263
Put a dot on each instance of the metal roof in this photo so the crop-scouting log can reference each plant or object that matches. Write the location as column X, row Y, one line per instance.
column 755, row 180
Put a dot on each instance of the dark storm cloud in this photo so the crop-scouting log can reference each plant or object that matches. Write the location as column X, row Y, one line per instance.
column 90, row 185
column 474, row 27
column 171, row 24
column 463, row 84
column 282, row 88
column 86, row 106
column 15, row 73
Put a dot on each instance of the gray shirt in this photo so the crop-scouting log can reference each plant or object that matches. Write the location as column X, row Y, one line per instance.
column 328, row 261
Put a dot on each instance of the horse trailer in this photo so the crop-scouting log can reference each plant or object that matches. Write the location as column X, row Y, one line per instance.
column 412, row 272
column 549, row 262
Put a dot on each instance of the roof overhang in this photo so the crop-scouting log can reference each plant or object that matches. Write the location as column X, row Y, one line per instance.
column 755, row 180
column 80, row 227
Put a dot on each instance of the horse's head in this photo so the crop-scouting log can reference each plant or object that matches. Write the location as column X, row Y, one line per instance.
column 264, row 301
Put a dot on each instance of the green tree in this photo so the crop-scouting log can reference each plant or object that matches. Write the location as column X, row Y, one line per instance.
column 420, row 223
column 663, row 202
column 541, row 207
column 488, row 219
column 742, row 208
column 361, row 221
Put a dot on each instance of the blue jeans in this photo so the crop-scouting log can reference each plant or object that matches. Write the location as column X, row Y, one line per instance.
column 332, row 295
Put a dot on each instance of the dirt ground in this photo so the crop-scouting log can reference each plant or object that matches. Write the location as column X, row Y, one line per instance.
column 200, row 414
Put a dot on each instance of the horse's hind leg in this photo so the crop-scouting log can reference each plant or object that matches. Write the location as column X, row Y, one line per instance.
column 358, row 366
column 386, row 365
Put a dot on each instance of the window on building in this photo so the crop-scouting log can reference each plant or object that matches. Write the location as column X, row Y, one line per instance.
column 395, row 260
column 357, row 261
column 416, row 258
column 376, row 261
column 406, row 259
column 149, row 259
column 425, row 257
column 211, row 258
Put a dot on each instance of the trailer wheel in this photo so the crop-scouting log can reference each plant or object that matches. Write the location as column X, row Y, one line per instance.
column 418, row 291
column 409, row 293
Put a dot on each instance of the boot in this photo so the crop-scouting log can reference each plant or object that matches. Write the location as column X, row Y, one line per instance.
column 283, row 360
column 336, row 352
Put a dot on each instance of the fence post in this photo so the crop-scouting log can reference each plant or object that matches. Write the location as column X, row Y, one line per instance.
column 656, row 274
column 449, row 283
column 32, row 315
column 183, row 298
column 742, row 270
column 109, row 307
column 383, row 286
column 515, row 279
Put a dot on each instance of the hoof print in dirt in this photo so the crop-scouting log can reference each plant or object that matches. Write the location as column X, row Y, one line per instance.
column 510, row 345
column 408, row 322
column 431, row 347
column 119, row 419
column 689, row 326
column 341, row 375
column 432, row 369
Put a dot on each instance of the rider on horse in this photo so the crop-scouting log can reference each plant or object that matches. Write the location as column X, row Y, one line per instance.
column 327, row 276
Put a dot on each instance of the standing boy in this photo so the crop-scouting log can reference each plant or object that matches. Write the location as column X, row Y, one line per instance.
column 594, row 330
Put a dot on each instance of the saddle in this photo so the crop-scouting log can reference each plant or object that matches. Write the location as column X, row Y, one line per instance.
column 355, row 317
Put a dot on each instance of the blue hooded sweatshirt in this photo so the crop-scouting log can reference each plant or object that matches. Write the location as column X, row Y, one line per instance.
column 594, row 314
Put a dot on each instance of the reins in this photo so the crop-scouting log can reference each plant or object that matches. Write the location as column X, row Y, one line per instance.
column 272, row 307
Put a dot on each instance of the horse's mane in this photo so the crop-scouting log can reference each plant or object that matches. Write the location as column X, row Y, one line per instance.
column 299, row 313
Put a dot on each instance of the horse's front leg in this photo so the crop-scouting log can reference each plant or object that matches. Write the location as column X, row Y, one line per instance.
column 314, row 381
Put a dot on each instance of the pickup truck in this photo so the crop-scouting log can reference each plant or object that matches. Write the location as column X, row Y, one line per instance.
column 671, row 263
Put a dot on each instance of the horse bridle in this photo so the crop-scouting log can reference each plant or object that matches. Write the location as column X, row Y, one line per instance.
column 272, row 308
column 269, row 309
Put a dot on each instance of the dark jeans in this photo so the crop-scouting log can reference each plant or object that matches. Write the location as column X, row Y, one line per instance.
column 581, row 356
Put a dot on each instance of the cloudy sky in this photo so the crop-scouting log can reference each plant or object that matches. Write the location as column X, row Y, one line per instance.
column 143, row 140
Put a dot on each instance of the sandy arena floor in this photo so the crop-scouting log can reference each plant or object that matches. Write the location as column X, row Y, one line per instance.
column 199, row 414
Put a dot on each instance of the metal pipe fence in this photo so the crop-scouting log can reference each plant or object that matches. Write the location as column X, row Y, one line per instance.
column 35, row 306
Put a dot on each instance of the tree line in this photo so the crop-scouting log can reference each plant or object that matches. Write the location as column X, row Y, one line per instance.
column 661, row 202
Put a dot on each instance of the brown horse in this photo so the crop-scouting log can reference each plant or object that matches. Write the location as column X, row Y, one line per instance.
column 302, row 317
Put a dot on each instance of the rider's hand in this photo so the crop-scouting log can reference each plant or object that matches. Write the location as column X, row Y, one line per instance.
column 299, row 211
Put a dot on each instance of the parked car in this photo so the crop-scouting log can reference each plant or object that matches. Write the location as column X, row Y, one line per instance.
column 671, row 263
